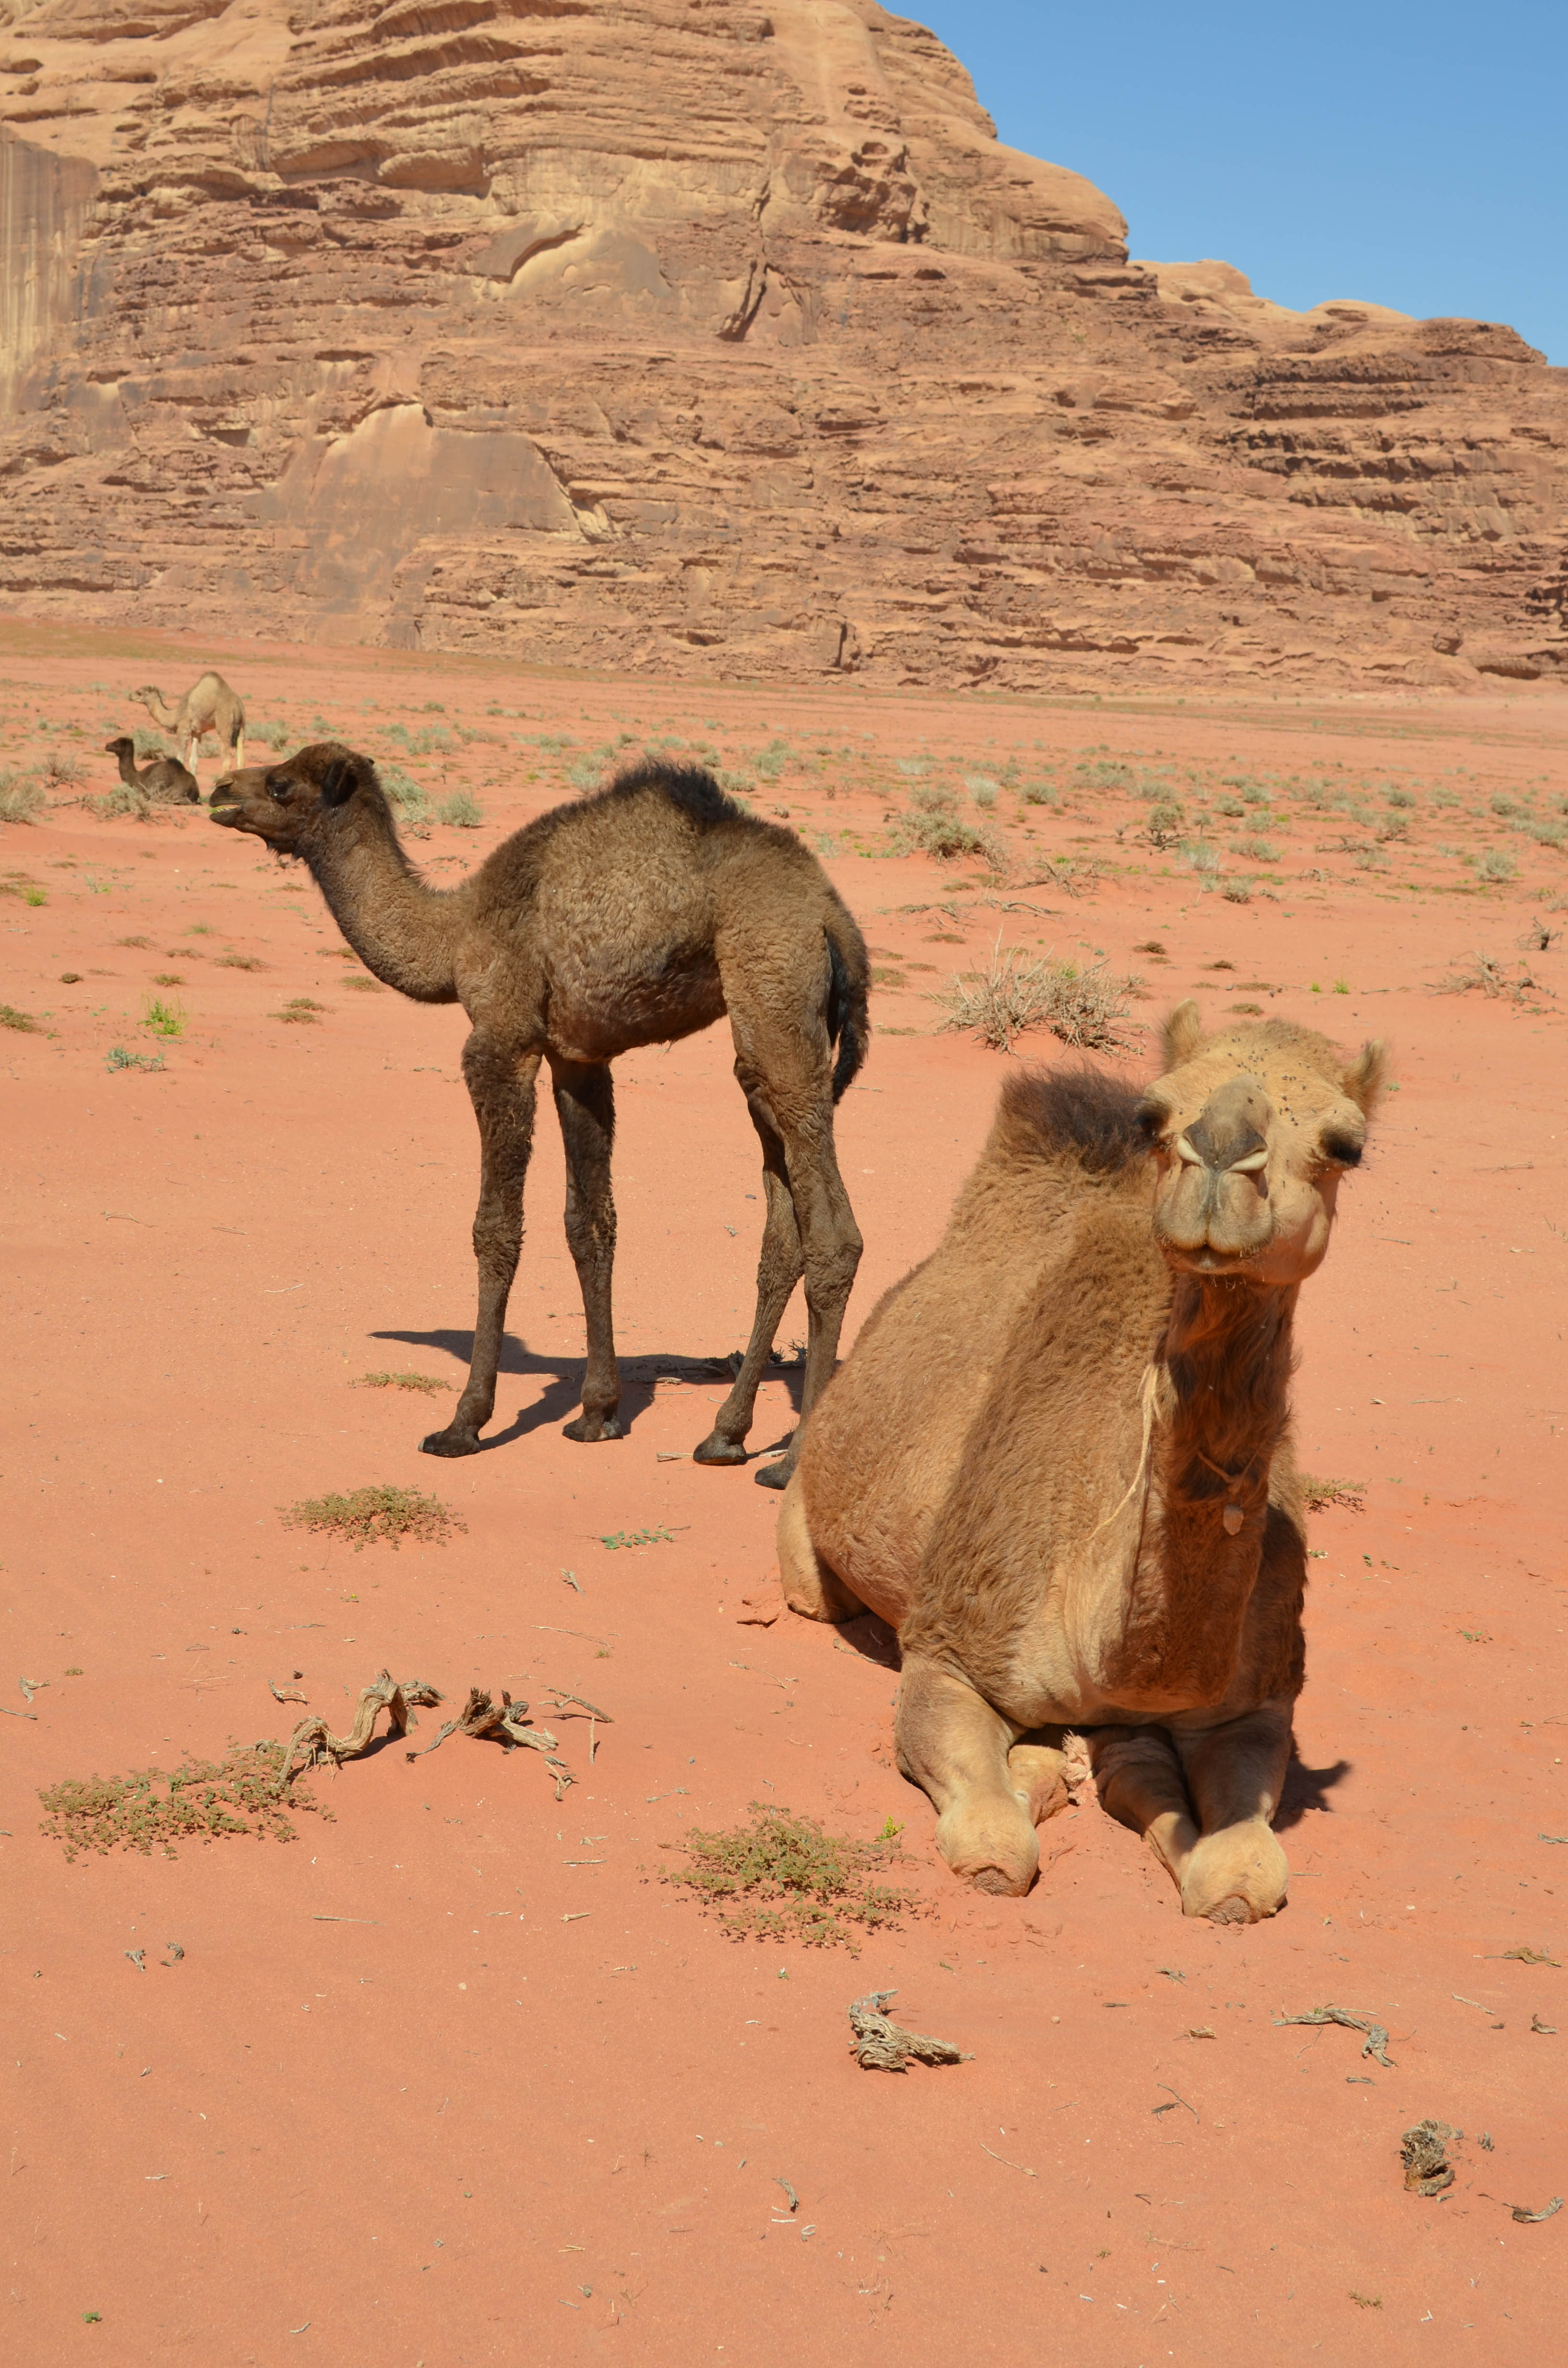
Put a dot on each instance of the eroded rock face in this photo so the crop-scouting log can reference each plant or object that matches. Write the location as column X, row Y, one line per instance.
column 703, row 338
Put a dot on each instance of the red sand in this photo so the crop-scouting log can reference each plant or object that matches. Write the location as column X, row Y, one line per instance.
column 560, row 2130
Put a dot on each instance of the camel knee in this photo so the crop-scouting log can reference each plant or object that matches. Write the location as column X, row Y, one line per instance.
column 954, row 1745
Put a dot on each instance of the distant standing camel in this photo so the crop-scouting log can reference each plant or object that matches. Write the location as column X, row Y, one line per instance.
column 208, row 706
column 165, row 780
column 1059, row 1461
column 631, row 917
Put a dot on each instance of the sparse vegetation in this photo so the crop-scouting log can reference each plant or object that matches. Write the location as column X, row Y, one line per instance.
column 382, row 1515
column 1319, row 1493
column 781, row 1878
column 301, row 1011
column 164, row 1018
column 153, row 1808
column 619, row 1538
column 426, row 1382
column 117, row 1057
column 21, row 1022
column 462, row 811
column 1084, row 1008
column 22, row 797
column 1488, row 976
column 239, row 962
column 933, row 826
column 271, row 735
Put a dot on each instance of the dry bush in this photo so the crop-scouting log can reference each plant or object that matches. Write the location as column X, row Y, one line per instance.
column 781, row 1878
column 22, row 797
column 935, row 827
column 22, row 1022
column 384, row 1513
column 425, row 1381
column 1084, row 1008
column 1488, row 976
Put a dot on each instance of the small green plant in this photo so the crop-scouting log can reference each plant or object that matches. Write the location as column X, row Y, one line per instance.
column 153, row 1808
column 22, row 1022
column 239, row 962
column 462, row 811
column 426, row 1382
column 1342, row 987
column 301, row 1011
column 164, row 1018
column 619, row 1538
column 382, row 1515
column 93, row 2317
column 117, row 1057
column 781, row 1878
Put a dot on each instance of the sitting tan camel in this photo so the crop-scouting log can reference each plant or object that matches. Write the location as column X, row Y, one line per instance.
column 1059, row 1460
column 208, row 706
column 631, row 917
column 165, row 782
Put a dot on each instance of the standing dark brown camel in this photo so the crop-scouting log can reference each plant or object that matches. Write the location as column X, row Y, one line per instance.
column 165, row 780
column 631, row 917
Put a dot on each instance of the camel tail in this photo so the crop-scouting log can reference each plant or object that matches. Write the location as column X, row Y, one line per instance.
column 848, row 1022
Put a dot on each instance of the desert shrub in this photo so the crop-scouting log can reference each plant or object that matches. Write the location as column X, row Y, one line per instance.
column 1496, row 864
column 782, row 1878
column 425, row 1381
column 1164, row 824
column 1232, row 808
column 934, row 826
column 462, row 811
column 384, row 1514
column 1319, row 1493
column 64, row 770
column 1486, row 975
column 164, row 1018
column 409, row 800
column 914, row 768
column 148, row 741
column 1399, row 798
column 364, row 985
column 22, row 796
column 112, row 805
column 301, row 1011
column 586, row 773
column 22, row 1022
column 1203, row 860
column 1084, row 1008
column 1547, row 834
column 1257, row 850
column 1506, row 807
column 239, row 962
column 117, row 1057
column 271, row 735
column 982, row 789
column 770, row 761
column 1041, row 793
column 153, row 1808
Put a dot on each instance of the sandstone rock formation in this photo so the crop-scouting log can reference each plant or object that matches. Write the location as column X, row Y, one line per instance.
column 702, row 335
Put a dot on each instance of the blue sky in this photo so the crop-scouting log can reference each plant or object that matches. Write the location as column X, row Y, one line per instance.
column 1411, row 154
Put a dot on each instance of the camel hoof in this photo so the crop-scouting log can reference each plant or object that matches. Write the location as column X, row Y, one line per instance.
column 1233, row 1910
column 774, row 1475
column 450, row 1442
column 715, row 1449
column 589, row 1428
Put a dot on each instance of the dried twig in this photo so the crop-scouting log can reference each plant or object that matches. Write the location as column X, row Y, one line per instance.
column 1424, row 2152
column 879, row 2045
column 285, row 1693
column 1520, row 2211
column 313, row 1743
column 1377, row 2038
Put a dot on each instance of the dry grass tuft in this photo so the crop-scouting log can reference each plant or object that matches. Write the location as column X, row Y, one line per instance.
column 935, row 827
column 781, row 1878
column 384, row 1514
column 425, row 1381
column 153, row 1808
column 1084, row 1008
column 22, row 1022
column 22, row 797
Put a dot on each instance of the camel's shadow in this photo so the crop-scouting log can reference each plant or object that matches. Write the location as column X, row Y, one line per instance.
column 1306, row 1788
column 562, row 1393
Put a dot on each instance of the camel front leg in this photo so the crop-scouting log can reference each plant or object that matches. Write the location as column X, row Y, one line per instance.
column 502, row 1084
column 1237, row 1874
column 584, row 1102
column 1138, row 1780
column 955, row 1747
column 810, row 1586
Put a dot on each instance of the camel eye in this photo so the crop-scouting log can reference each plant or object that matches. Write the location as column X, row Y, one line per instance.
column 1342, row 1149
column 280, row 787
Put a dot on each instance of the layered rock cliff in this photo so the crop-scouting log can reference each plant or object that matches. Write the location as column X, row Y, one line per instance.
column 692, row 336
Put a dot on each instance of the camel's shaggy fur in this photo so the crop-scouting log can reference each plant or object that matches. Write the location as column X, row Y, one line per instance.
column 208, row 706
column 1059, row 1460
column 629, row 917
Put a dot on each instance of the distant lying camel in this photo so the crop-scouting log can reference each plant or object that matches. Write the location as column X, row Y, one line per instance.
column 164, row 781
column 208, row 706
column 1059, row 1461
column 631, row 917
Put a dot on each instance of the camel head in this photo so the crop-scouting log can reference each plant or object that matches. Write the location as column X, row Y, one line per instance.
column 288, row 803
column 1251, row 1130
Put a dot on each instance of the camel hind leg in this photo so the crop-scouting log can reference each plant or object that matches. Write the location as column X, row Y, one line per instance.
column 584, row 1102
column 810, row 1586
column 778, row 1270
column 501, row 1083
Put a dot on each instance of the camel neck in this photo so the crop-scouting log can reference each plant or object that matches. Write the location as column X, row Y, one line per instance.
column 400, row 928
column 1225, row 1362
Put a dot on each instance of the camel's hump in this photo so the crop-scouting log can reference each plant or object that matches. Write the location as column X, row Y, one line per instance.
column 1079, row 1114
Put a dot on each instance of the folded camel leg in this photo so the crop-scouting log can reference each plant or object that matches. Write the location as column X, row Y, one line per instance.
column 1238, row 1873
column 810, row 1588
column 1038, row 1772
column 1138, row 1780
column 955, row 1747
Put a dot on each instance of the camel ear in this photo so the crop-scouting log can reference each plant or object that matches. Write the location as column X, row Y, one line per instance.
column 339, row 782
column 1183, row 1033
column 1365, row 1078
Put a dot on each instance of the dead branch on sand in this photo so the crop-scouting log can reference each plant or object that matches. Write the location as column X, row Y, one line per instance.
column 879, row 2045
